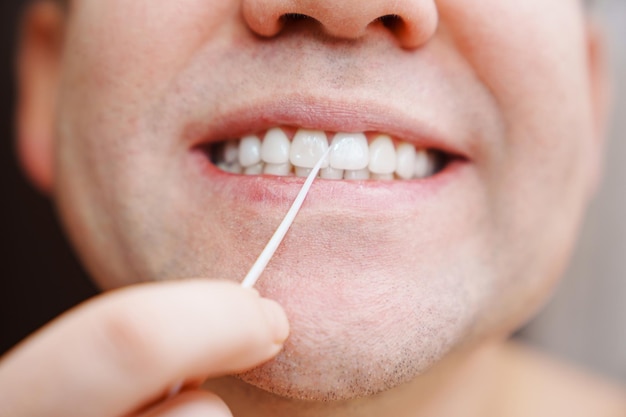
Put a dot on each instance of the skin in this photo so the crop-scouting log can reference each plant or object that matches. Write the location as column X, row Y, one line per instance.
column 399, row 296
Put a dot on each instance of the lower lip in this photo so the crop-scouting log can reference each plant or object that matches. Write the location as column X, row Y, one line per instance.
column 369, row 194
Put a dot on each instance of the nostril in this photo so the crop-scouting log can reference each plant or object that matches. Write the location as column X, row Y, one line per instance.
column 294, row 17
column 390, row 21
column 298, row 19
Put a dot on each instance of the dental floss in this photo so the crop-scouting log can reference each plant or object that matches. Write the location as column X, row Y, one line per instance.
column 269, row 250
column 267, row 254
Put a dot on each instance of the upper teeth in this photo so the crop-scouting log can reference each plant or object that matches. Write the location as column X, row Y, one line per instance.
column 351, row 157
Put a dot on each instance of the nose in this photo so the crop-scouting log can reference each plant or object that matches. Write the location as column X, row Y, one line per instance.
column 412, row 22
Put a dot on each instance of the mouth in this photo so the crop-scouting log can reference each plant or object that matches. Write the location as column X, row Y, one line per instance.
column 354, row 156
column 379, row 153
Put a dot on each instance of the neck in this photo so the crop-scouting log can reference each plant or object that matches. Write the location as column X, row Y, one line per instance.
column 466, row 383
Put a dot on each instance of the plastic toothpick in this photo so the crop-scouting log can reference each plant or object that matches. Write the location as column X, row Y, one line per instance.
column 265, row 256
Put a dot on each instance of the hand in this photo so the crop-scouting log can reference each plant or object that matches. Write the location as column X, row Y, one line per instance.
column 120, row 353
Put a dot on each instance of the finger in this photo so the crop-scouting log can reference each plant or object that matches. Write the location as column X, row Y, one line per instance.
column 190, row 404
column 126, row 348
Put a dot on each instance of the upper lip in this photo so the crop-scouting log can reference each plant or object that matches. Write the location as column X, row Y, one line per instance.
column 331, row 115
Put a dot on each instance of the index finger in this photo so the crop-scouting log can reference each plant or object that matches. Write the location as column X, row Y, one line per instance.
column 122, row 350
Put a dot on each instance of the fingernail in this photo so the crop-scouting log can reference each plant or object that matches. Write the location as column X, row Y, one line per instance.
column 277, row 319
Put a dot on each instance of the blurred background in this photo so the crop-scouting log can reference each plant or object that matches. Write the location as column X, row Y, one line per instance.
column 585, row 323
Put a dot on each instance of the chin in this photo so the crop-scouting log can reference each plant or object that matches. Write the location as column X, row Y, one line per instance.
column 348, row 343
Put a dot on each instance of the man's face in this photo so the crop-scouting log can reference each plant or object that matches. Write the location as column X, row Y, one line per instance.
column 380, row 279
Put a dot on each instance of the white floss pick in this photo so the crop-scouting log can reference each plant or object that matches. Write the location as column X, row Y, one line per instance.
column 265, row 256
column 269, row 250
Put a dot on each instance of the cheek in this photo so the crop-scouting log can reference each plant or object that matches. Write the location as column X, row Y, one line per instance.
column 532, row 58
column 129, row 52
column 119, row 60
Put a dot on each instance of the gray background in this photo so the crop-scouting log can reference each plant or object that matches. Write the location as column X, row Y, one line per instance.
column 586, row 321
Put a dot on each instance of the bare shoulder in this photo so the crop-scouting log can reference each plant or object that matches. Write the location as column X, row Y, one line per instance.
column 545, row 386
